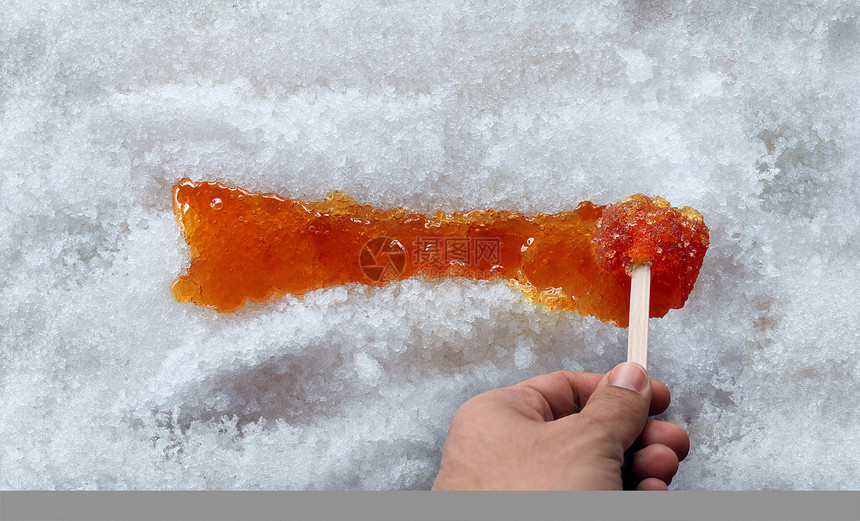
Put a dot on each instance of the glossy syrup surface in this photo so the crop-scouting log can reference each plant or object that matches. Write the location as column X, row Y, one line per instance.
column 256, row 246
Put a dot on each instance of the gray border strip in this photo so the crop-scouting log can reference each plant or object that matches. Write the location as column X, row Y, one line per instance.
column 405, row 506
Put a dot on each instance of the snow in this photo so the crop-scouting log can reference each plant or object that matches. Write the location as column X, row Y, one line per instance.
column 747, row 112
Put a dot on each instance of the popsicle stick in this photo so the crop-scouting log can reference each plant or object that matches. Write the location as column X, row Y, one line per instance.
column 637, row 331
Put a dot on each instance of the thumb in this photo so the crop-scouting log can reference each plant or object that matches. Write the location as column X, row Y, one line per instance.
column 618, row 407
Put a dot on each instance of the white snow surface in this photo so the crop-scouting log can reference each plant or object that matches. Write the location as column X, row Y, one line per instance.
column 747, row 111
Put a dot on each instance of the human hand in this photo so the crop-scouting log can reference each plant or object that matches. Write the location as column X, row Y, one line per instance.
column 565, row 431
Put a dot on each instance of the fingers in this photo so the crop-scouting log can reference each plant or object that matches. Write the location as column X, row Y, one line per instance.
column 664, row 433
column 660, row 397
column 656, row 455
column 654, row 461
column 584, row 387
column 567, row 392
column 652, row 484
column 618, row 408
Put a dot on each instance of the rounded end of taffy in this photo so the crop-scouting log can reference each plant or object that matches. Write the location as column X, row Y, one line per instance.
column 643, row 229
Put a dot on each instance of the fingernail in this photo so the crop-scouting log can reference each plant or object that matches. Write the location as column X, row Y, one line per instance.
column 629, row 375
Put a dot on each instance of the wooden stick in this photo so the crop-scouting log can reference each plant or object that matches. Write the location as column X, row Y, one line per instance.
column 637, row 331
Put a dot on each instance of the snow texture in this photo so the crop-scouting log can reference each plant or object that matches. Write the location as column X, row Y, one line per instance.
column 747, row 111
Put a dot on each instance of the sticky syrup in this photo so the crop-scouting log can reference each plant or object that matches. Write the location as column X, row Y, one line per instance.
column 259, row 247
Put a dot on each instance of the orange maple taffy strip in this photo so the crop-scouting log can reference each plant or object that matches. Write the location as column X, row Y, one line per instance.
column 261, row 246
